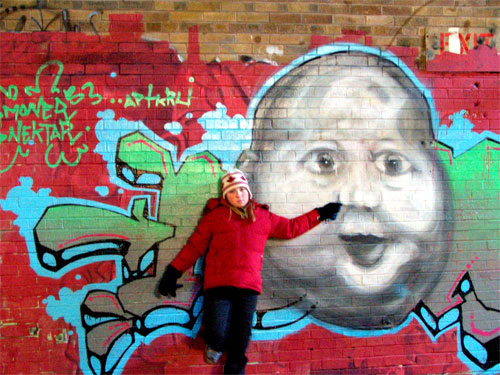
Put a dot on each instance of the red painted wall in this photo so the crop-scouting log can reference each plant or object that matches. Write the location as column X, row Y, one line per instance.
column 148, row 82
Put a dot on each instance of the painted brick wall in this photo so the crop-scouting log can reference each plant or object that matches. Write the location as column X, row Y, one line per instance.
column 119, row 117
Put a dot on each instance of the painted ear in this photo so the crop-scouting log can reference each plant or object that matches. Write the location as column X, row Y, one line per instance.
column 247, row 160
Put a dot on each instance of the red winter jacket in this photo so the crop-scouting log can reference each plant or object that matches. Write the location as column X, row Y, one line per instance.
column 234, row 247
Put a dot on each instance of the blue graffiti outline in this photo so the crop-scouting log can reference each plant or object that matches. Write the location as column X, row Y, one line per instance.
column 279, row 333
column 27, row 220
column 293, row 314
column 475, row 369
column 442, row 133
column 330, row 49
column 460, row 137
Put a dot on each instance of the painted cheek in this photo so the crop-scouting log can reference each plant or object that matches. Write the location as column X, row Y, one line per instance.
column 411, row 210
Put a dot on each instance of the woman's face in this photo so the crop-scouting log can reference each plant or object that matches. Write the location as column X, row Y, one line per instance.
column 238, row 197
column 372, row 265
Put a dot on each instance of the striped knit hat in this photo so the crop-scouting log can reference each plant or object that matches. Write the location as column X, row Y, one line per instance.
column 232, row 180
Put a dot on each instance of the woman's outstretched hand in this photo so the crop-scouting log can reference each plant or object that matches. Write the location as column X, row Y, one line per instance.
column 329, row 211
column 168, row 282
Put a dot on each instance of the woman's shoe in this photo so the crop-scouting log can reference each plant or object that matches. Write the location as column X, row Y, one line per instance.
column 212, row 356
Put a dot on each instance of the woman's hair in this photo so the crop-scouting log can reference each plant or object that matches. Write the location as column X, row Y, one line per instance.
column 246, row 213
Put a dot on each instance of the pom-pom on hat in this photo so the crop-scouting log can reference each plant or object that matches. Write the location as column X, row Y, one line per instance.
column 232, row 180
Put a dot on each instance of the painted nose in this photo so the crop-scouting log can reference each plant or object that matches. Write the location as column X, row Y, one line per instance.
column 361, row 188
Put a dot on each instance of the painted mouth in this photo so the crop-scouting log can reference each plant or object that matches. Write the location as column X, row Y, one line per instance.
column 365, row 250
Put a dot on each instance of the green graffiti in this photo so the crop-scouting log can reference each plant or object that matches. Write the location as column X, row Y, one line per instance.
column 36, row 120
column 62, row 158
column 107, row 233
column 10, row 93
column 183, row 193
column 171, row 98
column 475, row 182
column 30, row 90
column 92, row 94
column 67, row 234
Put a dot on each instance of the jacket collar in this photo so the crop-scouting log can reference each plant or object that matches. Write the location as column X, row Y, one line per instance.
column 216, row 202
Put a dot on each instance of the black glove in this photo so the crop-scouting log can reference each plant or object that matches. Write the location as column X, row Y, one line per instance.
column 329, row 211
column 168, row 282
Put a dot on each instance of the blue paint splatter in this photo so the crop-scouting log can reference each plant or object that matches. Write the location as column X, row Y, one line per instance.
column 128, row 174
column 148, row 179
column 103, row 191
column 225, row 137
column 28, row 205
column 87, row 248
column 147, row 260
column 460, row 137
column 117, row 350
column 167, row 315
column 227, row 146
column 465, row 286
column 66, row 306
column 448, row 319
column 95, row 364
column 49, row 260
column 475, row 348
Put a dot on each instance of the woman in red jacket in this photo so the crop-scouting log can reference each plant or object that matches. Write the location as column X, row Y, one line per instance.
column 232, row 235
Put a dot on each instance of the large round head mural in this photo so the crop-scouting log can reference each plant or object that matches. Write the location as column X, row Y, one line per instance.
column 355, row 127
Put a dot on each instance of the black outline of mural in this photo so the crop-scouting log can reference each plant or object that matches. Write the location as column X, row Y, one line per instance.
column 432, row 322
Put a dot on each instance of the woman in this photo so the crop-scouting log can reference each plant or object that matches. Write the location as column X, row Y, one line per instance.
column 232, row 235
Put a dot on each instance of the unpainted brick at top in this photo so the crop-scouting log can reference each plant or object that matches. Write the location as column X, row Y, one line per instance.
column 285, row 18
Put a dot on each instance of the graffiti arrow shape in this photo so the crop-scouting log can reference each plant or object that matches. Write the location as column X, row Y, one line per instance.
column 69, row 233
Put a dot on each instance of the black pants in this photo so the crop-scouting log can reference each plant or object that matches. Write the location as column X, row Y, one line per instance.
column 228, row 316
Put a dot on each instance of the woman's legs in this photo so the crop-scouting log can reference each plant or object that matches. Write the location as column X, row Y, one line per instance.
column 217, row 318
column 228, row 327
column 240, row 331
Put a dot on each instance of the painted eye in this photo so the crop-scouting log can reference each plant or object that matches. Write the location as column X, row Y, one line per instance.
column 392, row 163
column 321, row 162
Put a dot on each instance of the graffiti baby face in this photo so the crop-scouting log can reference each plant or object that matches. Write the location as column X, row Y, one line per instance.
column 351, row 129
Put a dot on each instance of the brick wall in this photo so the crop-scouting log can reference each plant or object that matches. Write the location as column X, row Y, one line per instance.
column 119, row 117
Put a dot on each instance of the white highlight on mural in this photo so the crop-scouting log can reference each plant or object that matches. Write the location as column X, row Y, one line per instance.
column 173, row 127
column 454, row 40
column 274, row 50
column 226, row 137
